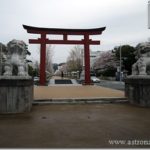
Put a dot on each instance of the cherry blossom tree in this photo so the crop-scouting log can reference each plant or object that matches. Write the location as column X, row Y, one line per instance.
column 106, row 63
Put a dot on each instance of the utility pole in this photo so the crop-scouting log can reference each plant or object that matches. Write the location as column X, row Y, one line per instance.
column 0, row 59
column 148, row 14
column 120, row 63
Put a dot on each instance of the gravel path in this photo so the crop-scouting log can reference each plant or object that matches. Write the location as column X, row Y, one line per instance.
column 49, row 92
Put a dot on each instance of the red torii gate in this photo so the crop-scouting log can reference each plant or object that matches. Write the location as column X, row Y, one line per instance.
column 65, row 32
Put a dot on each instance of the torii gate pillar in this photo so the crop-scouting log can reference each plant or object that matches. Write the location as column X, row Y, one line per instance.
column 43, row 60
column 87, row 60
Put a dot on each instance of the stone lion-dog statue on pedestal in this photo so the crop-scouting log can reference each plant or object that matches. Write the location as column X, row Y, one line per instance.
column 15, row 63
column 142, row 66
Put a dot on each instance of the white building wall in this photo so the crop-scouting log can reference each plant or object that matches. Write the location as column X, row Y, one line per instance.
column 93, row 56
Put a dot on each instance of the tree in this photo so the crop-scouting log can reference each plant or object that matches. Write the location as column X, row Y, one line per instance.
column 30, row 70
column 49, row 54
column 36, row 69
column 55, row 67
column 105, row 64
column 74, row 61
column 127, row 56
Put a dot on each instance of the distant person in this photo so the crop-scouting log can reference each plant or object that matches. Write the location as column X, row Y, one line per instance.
column 62, row 74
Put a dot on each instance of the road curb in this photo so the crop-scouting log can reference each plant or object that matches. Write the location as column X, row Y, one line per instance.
column 102, row 100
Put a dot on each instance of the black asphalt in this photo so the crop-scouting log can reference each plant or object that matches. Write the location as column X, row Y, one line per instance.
column 63, row 81
column 112, row 84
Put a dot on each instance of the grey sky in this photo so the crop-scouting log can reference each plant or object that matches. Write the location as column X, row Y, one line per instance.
column 125, row 21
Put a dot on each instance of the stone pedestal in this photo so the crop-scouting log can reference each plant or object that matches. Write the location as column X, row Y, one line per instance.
column 137, row 90
column 16, row 94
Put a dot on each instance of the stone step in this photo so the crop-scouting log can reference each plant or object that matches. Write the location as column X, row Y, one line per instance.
column 101, row 100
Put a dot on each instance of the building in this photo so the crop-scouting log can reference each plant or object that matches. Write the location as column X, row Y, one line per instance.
column 93, row 56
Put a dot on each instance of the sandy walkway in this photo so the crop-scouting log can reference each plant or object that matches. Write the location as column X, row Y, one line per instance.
column 49, row 92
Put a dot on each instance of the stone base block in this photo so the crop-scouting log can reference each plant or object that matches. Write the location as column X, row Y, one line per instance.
column 16, row 94
column 137, row 90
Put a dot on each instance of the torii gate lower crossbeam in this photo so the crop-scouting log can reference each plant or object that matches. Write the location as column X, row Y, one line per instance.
column 65, row 32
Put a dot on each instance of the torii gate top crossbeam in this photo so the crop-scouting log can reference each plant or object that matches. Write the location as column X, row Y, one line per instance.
column 65, row 33
column 38, row 30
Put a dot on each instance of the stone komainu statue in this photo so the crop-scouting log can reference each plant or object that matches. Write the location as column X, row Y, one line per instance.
column 15, row 63
column 3, row 51
column 142, row 66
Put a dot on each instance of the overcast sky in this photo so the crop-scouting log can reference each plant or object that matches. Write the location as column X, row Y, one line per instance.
column 125, row 21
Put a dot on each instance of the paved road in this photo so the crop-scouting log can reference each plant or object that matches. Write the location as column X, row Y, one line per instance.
column 112, row 84
column 105, row 83
column 76, row 126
